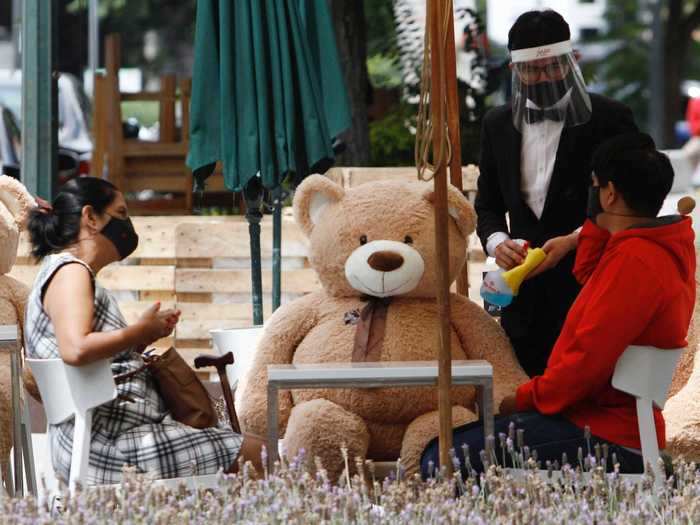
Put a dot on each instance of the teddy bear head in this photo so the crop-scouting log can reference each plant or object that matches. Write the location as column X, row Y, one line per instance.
column 378, row 239
column 15, row 205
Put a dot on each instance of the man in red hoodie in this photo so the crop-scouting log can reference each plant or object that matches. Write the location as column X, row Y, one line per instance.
column 638, row 277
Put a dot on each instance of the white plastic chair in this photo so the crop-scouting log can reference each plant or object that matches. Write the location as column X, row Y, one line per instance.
column 243, row 342
column 646, row 372
column 68, row 391
column 76, row 391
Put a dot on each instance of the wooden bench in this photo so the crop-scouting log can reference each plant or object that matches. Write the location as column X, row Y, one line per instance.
column 135, row 165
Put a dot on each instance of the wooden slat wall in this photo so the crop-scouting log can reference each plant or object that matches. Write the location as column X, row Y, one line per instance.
column 176, row 263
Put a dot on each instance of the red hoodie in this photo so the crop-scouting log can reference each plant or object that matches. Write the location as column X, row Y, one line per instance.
column 639, row 289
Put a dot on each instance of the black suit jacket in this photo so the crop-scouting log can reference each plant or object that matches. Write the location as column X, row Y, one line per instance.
column 565, row 207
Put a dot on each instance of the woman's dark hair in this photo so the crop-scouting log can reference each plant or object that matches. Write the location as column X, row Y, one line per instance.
column 642, row 174
column 52, row 230
column 538, row 28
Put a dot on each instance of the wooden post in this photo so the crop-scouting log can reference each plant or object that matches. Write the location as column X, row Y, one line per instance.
column 114, row 133
column 185, row 95
column 99, row 126
column 436, row 17
column 166, row 119
column 454, row 133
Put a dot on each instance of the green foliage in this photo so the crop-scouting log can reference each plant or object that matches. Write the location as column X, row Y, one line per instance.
column 381, row 28
column 383, row 71
column 391, row 140
column 144, row 111
column 625, row 71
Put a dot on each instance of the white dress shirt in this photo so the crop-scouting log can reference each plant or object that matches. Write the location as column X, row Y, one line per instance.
column 538, row 152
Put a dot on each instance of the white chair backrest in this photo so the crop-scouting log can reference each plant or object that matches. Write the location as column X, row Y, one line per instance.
column 243, row 342
column 67, row 390
column 646, row 372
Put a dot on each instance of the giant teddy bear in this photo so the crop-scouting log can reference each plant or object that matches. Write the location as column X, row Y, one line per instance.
column 373, row 248
column 15, row 205
column 682, row 410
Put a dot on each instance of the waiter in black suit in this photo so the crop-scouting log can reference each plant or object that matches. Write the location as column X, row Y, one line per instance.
column 535, row 168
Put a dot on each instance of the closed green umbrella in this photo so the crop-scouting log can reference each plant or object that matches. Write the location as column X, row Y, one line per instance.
column 268, row 99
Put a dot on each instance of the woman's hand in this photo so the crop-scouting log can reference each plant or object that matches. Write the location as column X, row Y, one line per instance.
column 155, row 323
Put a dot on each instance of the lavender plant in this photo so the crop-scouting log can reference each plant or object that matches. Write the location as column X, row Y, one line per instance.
column 292, row 494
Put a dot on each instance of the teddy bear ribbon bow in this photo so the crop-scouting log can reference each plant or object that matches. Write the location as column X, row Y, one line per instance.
column 370, row 329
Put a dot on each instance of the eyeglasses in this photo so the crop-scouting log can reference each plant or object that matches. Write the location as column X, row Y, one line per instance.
column 530, row 73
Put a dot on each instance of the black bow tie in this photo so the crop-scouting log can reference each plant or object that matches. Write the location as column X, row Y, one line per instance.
column 533, row 115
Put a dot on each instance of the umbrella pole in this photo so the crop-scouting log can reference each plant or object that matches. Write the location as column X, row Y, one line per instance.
column 253, row 196
column 438, row 10
column 454, row 130
column 277, row 194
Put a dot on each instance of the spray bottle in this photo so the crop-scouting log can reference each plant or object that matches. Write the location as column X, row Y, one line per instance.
column 500, row 286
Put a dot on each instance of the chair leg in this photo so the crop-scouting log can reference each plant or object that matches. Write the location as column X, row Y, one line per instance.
column 6, row 477
column 28, row 449
column 647, row 435
column 81, row 449
column 16, row 424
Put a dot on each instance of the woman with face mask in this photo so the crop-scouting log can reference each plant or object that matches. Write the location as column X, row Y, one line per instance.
column 70, row 316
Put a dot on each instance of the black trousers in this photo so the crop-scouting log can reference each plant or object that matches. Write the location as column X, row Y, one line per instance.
column 551, row 436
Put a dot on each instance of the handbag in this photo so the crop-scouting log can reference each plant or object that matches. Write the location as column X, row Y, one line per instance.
column 182, row 391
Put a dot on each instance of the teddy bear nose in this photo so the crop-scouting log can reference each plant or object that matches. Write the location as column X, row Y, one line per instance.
column 385, row 261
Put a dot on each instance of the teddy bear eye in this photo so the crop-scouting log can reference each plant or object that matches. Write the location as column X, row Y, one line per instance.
column 408, row 239
column 363, row 239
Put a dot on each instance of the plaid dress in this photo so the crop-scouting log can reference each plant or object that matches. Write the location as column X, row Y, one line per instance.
column 139, row 432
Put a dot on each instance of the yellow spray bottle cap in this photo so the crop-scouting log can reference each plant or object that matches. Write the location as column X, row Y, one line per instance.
column 515, row 277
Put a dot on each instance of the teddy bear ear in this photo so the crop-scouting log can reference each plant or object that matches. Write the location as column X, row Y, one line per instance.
column 459, row 208
column 15, row 197
column 311, row 198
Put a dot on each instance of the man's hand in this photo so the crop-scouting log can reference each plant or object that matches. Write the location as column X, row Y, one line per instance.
column 556, row 249
column 509, row 254
column 507, row 406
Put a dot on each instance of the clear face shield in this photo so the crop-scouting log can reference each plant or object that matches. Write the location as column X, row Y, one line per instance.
column 548, row 85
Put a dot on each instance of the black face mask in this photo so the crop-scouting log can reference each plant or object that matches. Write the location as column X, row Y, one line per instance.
column 546, row 94
column 594, row 207
column 122, row 234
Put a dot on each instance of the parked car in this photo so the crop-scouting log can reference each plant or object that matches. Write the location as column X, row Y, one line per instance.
column 11, row 151
column 74, row 113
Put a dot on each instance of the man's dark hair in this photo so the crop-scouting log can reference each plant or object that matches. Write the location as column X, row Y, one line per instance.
column 642, row 174
column 538, row 28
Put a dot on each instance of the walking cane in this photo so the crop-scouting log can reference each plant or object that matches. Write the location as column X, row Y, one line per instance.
column 220, row 363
